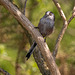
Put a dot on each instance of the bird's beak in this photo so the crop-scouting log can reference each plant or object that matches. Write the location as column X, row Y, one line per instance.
column 45, row 16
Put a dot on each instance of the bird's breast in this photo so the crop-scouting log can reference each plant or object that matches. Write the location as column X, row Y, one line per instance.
column 46, row 27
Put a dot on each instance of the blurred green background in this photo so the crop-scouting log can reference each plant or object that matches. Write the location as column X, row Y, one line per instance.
column 13, row 38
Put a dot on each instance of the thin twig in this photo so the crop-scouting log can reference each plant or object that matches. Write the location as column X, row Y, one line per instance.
column 25, row 7
column 74, row 11
column 60, row 36
column 60, row 10
column 4, row 72
column 70, row 19
column 73, row 15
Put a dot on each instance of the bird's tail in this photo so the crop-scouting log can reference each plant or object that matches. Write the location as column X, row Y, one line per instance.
column 31, row 50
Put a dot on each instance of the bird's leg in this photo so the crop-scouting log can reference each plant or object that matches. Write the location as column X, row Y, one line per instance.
column 45, row 39
column 36, row 27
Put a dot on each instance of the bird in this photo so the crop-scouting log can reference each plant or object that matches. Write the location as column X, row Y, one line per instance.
column 45, row 27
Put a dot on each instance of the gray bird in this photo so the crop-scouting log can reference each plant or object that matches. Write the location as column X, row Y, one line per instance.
column 45, row 26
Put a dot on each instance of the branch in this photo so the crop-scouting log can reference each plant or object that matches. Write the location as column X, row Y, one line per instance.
column 39, row 59
column 24, row 7
column 60, row 10
column 35, row 34
column 60, row 36
column 74, row 11
column 4, row 72
column 73, row 15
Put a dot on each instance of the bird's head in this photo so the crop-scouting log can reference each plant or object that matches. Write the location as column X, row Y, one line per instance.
column 49, row 15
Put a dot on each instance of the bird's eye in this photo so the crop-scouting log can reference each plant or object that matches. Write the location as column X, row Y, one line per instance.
column 50, row 14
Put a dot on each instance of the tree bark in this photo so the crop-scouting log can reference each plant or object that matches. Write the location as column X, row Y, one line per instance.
column 41, row 62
